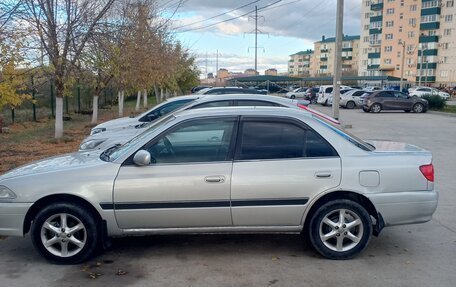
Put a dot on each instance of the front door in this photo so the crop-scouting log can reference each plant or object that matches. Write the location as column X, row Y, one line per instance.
column 187, row 183
column 279, row 166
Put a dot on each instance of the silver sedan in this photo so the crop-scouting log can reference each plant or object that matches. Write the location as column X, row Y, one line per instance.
column 222, row 170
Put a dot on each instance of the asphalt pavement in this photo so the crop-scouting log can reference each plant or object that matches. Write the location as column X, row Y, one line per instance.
column 411, row 255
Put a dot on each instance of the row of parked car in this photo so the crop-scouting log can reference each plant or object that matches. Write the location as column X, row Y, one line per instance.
column 372, row 99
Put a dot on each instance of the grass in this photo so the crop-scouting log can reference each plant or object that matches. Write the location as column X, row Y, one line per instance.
column 449, row 109
column 30, row 141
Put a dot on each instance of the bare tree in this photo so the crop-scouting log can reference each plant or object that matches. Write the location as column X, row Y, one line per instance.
column 62, row 28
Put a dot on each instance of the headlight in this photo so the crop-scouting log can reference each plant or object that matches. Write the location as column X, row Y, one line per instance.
column 6, row 193
column 97, row 131
column 91, row 144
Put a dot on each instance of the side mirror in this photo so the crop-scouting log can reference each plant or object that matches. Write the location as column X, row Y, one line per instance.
column 152, row 117
column 142, row 158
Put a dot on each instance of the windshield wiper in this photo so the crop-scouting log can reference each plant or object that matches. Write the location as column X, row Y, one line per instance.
column 107, row 153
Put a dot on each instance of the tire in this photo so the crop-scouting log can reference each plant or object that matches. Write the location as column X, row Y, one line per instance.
column 407, row 111
column 292, row 97
column 340, row 247
column 366, row 110
column 376, row 108
column 350, row 105
column 313, row 101
column 418, row 108
column 80, row 244
column 325, row 103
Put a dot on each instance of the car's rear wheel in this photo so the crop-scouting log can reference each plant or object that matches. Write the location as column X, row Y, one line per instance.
column 64, row 233
column 376, row 108
column 313, row 101
column 340, row 229
column 350, row 105
column 418, row 108
column 366, row 110
column 292, row 97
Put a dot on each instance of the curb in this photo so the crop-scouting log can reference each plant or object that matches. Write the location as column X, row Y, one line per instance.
column 442, row 113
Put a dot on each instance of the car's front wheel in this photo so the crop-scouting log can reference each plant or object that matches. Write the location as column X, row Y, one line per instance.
column 65, row 233
column 350, row 105
column 418, row 108
column 340, row 229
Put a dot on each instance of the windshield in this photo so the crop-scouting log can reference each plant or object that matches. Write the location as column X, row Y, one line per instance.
column 203, row 91
column 116, row 151
column 346, row 135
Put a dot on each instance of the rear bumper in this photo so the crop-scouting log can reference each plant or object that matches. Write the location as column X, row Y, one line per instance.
column 12, row 217
column 399, row 208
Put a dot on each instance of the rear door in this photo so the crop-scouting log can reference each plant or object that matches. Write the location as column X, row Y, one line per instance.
column 387, row 100
column 403, row 101
column 279, row 165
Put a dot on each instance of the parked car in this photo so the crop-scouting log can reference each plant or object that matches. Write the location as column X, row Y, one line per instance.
column 394, row 100
column 350, row 99
column 361, row 98
column 311, row 95
column 297, row 93
column 324, row 92
column 152, row 114
column 372, row 88
column 199, row 88
column 288, row 172
column 120, row 135
column 423, row 91
column 342, row 92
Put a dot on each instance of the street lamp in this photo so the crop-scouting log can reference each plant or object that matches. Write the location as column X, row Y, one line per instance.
column 402, row 43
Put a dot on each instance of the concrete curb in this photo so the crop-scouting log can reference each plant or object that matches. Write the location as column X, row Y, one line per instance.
column 442, row 113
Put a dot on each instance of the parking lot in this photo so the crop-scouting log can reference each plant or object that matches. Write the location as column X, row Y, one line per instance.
column 413, row 255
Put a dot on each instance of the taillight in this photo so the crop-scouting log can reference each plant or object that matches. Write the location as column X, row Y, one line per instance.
column 428, row 171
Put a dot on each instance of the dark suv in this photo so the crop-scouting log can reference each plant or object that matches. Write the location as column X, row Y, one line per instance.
column 394, row 100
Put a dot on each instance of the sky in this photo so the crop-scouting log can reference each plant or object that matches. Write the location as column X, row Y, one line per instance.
column 289, row 26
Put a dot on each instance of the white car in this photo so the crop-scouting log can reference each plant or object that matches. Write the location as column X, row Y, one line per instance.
column 350, row 99
column 152, row 114
column 296, row 93
column 422, row 91
column 325, row 92
column 120, row 135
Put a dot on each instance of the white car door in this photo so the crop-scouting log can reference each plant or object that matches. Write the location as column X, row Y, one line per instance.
column 279, row 166
column 187, row 183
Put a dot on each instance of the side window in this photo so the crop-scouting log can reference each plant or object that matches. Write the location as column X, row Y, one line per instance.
column 251, row 103
column 212, row 104
column 280, row 140
column 384, row 95
column 400, row 95
column 163, row 110
column 214, row 92
column 358, row 94
column 329, row 90
column 194, row 141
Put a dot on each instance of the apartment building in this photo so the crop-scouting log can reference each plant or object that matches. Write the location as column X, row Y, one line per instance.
column 300, row 64
column 418, row 32
column 320, row 61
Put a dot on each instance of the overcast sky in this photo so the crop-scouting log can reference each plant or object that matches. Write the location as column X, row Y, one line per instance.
column 290, row 26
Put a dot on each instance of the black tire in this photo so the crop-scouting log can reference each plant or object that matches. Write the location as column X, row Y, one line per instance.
column 292, row 97
column 366, row 110
column 73, row 211
column 407, row 111
column 350, row 105
column 313, row 101
column 376, row 108
column 353, row 208
column 418, row 108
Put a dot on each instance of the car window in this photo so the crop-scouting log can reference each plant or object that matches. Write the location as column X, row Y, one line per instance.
column 251, row 103
column 203, row 140
column 163, row 110
column 329, row 90
column 357, row 93
column 384, row 95
column 280, row 140
column 213, row 104
column 400, row 95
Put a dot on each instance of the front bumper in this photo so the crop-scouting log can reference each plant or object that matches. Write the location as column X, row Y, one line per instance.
column 399, row 208
column 12, row 217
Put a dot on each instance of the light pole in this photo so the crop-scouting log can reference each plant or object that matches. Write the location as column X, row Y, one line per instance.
column 402, row 43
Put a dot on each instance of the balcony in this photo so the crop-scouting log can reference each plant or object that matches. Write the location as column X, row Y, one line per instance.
column 430, row 26
column 373, row 67
column 427, row 66
column 323, row 67
column 347, row 49
column 375, row 31
column 376, row 18
column 429, row 52
column 431, row 11
column 324, row 50
column 324, row 59
column 427, row 79
column 373, row 55
column 429, row 39
column 377, row 6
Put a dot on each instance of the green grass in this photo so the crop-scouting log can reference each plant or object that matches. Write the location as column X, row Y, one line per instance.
column 449, row 109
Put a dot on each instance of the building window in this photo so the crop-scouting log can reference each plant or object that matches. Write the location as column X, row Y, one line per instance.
column 388, row 48
column 401, row 16
column 388, row 36
column 410, row 61
column 367, row 16
column 429, row 18
column 367, row 3
column 411, row 34
column 445, row 46
column 430, row 4
column 447, row 32
column 412, row 21
column 389, row 23
column 366, row 39
column 413, row 8
column 390, row 11
column 449, row 18
column 387, row 61
column 366, row 27
column 450, row 3
column 410, row 48
column 444, row 74
column 432, row 32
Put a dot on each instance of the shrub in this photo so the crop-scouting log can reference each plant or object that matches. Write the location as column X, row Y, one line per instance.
column 435, row 102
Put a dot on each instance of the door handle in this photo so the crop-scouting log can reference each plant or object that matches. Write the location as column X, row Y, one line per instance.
column 214, row 179
column 323, row 175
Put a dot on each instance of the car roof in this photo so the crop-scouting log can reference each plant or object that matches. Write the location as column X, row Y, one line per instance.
column 253, row 97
